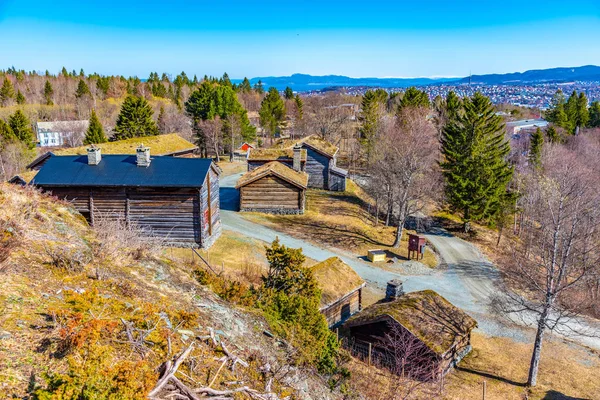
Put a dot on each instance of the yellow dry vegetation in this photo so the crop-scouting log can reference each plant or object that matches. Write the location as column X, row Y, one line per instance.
column 567, row 371
column 68, row 301
column 159, row 145
column 341, row 220
column 335, row 279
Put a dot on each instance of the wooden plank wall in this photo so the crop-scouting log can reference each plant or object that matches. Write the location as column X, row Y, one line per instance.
column 317, row 167
column 170, row 213
column 270, row 193
column 343, row 309
column 337, row 182
column 210, row 231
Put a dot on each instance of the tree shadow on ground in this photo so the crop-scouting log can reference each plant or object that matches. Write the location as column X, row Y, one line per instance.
column 490, row 376
column 555, row 395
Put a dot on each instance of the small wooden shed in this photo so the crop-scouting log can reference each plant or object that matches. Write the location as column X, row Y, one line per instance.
column 442, row 329
column 173, row 198
column 321, row 158
column 341, row 290
column 273, row 188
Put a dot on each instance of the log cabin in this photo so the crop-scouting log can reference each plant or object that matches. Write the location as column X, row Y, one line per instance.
column 273, row 188
column 321, row 158
column 440, row 330
column 174, row 199
column 341, row 290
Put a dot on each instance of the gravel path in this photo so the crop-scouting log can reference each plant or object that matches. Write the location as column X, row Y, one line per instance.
column 466, row 278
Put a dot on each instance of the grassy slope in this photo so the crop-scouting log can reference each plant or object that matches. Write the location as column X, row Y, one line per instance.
column 340, row 220
column 56, row 317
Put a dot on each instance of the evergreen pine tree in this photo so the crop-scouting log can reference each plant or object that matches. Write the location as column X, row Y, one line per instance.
column 571, row 112
column 21, row 127
column 7, row 92
column 20, row 98
column 95, row 132
column 82, row 89
column 288, row 93
column 225, row 80
column 81, row 73
column 299, row 106
column 160, row 122
column 583, row 115
column 535, row 147
column 272, row 111
column 370, row 118
column 594, row 115
column 135, row 119
column 414, row 97
column 453, row 105
column 259, row 88
column 245, row 87
column 48, row 93
column 475, row 166
column 64, row 72
column 6, row 132
column 552, row 134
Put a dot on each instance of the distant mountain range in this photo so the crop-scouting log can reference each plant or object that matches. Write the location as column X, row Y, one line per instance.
column 304, row 82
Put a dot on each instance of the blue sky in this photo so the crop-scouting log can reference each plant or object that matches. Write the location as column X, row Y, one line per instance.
column 245, row 38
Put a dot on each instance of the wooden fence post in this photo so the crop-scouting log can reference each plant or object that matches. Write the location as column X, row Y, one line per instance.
column 484, row 389
column 370, row 348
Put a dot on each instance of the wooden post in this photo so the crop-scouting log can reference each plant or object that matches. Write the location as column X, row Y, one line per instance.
column 209, row 205
column 91, row 207
column 484, row 389
column 370, row 349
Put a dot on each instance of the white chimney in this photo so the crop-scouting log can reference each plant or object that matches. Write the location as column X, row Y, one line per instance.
column 142, row 156
column 94, row 155
column 297, row 164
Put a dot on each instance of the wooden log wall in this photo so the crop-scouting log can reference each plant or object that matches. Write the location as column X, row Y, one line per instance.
column 343, row 309
column 317, row 167
column 210, row 210
column 270, row 194
column 337, row 182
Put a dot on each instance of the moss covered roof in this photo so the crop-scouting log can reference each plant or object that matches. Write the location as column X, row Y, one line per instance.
column 426, row 314
column 336, row 279
column 159, row 145
column 273, row 154
column 320, row 145
column 274, row 168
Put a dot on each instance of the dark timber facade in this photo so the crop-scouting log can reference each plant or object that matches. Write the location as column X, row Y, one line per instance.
column 176, row 199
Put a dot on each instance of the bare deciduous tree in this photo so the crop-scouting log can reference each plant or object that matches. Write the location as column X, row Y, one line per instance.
column 559, row 250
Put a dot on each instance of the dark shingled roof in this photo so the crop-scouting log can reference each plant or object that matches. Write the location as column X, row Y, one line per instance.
column 121, row 170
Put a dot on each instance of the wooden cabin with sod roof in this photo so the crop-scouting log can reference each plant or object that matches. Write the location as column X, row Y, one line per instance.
column 273, row 188
column 175, row 199
column 440, row 332
column 341, row 290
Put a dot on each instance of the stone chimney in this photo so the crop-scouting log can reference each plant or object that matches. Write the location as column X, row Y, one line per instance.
column 94, row 155
column 297, row 158
column 394, row 290
column 142, row 156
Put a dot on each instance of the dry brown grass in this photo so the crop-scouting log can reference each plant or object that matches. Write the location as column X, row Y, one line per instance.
column 341, row 220
column 232, row 168
column 566, row 371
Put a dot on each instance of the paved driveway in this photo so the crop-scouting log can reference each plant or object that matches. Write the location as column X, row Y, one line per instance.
column 466, row 278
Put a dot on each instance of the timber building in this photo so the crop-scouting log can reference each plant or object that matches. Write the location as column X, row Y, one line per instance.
column 273, row 188
column 341, row 290
column 441, row 330
column 176, row 199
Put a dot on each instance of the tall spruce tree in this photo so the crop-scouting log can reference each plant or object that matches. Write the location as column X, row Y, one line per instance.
column 259, row 88
column 453, row 105
column 48, row 93
column 245, row 86
column 21, row 127
column 160, row 121
column 272, row 111
column 299, row 106
column 82, row 89
column 583, row 115
column 6, row 132
column 535, row 148
column 288, row 93
column 414, row 97
column 552, row 135
column 20, row 98
column 370, row 117
column 571, row 110
column 594, row 115
column 7, row 92
column 475, row 165
column 95, row 132
column 135, row 119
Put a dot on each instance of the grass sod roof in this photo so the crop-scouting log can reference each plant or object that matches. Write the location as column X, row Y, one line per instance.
column 273, row 154
column 336, row 279
column 159, row 145
column 274, row 168
column 426, row 314
column 320, row 145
